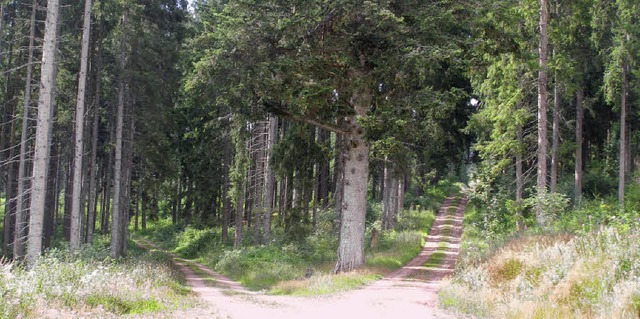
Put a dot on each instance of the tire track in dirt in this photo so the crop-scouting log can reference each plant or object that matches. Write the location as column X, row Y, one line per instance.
column 410, row 291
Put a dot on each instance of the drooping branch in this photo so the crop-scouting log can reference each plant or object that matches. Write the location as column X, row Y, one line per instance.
column 280, row 110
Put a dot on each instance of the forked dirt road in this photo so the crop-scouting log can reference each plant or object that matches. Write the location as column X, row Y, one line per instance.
column 409, row 292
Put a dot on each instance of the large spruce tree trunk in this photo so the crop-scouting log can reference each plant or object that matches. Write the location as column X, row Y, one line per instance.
column 541, row 183
column 43, row 133
column 76, row 209
column 354, row 199
column 23, row 183
column 579, row 139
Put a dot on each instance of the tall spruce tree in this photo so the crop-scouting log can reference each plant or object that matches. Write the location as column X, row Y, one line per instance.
column 323, row 63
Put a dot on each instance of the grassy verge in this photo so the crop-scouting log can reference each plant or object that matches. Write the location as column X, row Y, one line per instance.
column 89, row 282
column 591, row 274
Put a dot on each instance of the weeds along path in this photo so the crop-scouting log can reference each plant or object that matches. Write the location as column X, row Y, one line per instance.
column 409, row 292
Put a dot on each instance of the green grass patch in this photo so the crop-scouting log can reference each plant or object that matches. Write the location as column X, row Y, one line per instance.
column 122, row 305
column 324, row 284
column 635, row 304
column 397, row 249
column 435, row 259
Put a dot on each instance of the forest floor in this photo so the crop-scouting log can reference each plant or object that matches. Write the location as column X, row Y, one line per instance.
column 410, row 291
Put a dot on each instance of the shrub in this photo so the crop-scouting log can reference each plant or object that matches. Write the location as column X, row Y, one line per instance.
column 192, row 242
column 506, row 270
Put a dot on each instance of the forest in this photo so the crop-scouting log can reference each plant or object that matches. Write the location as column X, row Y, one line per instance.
column 284, row 143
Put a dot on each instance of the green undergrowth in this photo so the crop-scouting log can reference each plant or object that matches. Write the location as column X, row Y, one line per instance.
column 585, row 264
column 284, row 263
column 322, row 284
column 88, row 281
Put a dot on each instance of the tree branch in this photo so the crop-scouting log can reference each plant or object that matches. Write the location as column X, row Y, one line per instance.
column 277, row 109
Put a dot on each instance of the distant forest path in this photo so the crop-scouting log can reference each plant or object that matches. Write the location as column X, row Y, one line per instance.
column 409, row 292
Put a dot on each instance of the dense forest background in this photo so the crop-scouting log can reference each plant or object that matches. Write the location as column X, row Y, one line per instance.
column 266, row 119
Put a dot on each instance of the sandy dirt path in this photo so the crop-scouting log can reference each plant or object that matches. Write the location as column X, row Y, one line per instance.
column 410, row 291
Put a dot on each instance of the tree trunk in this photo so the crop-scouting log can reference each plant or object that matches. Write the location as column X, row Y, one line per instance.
column 127, row 174
column 338, row 172
column 10, row 206
column 519, row 179
column 399, row 201
column 323, row 169
column 239, row 180
column 270, row 180
column 43, row 132
column 579, row 142
column 76, row 209
column 108, row 178
column 226, row 199
column 541, row 184
column 386, row 195
column 555, row 136
column 93, row 170
column 117, row 214
column 53, row 195
column 623, row 135
column 21, row 208
column 354, row 199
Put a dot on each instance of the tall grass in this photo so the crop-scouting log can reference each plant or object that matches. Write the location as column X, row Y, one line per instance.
column 591, row 275
column 88, row 281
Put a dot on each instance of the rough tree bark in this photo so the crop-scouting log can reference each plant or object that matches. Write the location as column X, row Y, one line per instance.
column 21, row 195
column 76, row 209
column 43, row 132
column 226, row 199
column 93, row 170
column 555, row 136
column 270, row 181
column 117, row 214
column 541, row 184
column 355, row 174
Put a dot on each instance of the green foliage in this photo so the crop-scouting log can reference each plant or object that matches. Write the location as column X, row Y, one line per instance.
column 262, row 266
column 433, row 195
column 191, row 243
column 552, row 205
column 415, row 220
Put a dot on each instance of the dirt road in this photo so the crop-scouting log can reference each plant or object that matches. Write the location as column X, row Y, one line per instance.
column 409, row 292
